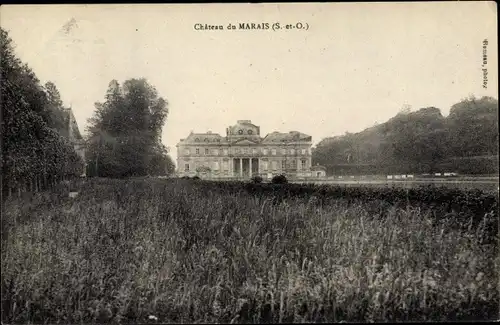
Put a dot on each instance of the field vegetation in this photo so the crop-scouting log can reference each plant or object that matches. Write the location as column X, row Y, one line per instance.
column 182, row 250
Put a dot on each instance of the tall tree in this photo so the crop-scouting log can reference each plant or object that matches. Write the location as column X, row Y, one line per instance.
column 125, row 131
column 54, row 114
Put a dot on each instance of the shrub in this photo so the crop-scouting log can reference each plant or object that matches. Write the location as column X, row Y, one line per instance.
column 257, row 179
column 279, row 179
column 196, row 177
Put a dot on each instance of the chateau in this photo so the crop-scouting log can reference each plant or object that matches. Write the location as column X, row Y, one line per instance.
column 243, row 153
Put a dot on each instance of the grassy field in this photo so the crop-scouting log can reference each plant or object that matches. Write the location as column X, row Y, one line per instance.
column 199, row 251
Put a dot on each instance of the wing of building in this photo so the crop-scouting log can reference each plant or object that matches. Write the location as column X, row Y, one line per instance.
column 75, row 137
column 243, row 153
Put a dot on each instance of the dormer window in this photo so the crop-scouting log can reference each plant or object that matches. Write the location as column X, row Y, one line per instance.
column 240, row 131
column 206, row 139
column 197, row 140
column 250, row 132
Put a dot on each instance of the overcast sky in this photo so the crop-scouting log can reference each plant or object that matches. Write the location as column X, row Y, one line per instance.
column 356, row 65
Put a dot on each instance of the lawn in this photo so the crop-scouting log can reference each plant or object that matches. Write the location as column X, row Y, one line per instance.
column 128, row 251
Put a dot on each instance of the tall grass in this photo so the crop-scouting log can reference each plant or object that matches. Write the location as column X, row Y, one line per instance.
column 126, row 250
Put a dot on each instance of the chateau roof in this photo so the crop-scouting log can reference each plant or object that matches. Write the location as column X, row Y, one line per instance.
column 245, row 122
column 204, row 137
column 286, row 137
column 72, row 125
column 275, row 137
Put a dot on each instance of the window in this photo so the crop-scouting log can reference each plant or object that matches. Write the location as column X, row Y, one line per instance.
column 244, row 150
column 197, row 140
column 254, row 151
column 206, row 151
column 197, row 151
column 216, row 165
column 186, row 167
column 303, row 151
column 206, row 140
column 274, row 164
column 236, row 150
column 186, row 152
column 264, row 165
column 283, row 151
column 216, row 152
column 304, row 163
column 264, row 151
column 225, row 165
column 225, row 152
column 240, row 131
column 273, row 152
column 294, row 164
column 283, row 164
column 250, row 131
column 292, row 151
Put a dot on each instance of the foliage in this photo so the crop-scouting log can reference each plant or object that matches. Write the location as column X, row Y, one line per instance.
column 209, row 252
column 125, row 132
column 279, row 179
column 257, row 179
column 419, row 142
column 35, row 147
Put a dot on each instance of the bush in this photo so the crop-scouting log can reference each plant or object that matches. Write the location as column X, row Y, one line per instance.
column 279, row 179
column 257, row 179
column 196, row 177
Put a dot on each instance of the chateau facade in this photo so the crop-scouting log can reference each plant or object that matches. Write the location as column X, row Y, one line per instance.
column 243, row 153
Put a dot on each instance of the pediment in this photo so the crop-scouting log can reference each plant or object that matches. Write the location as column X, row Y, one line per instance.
column 245, row 141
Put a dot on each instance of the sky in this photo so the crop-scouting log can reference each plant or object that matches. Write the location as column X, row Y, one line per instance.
column 357, row 64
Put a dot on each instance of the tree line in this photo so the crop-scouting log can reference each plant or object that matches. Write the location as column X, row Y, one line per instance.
column 36, row 152
column 124, row 135
column 424, row 141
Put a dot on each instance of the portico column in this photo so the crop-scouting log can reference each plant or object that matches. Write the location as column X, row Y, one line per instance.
column 241, row 167
column 250, row 159
column 258, row 166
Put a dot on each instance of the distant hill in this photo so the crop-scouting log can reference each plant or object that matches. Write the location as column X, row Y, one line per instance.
column 466, row 141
